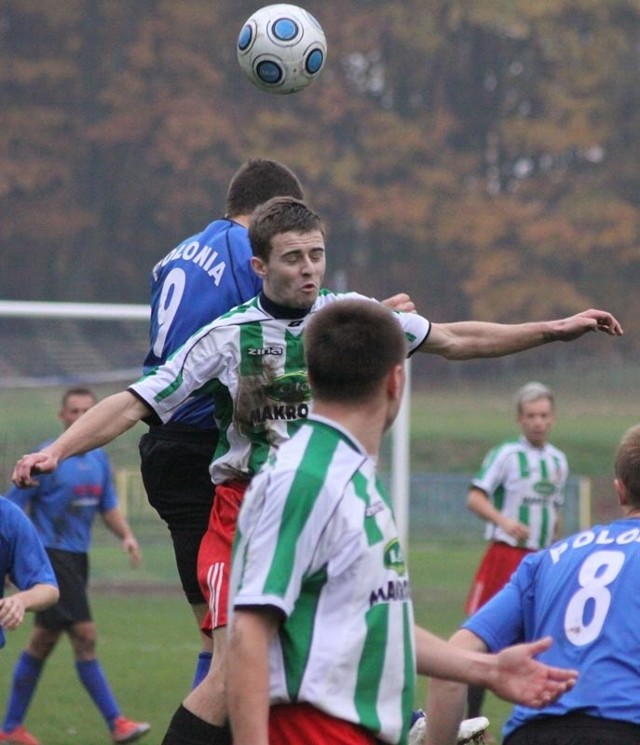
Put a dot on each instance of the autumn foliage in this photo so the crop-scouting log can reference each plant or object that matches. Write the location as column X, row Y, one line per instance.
column 483, row 156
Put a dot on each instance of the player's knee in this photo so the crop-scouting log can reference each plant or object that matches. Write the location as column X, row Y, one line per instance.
column 83, row 641
column 42, row 643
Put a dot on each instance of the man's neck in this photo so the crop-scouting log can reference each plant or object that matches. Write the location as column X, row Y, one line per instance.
column 364, row 423
column 281, row 311
column 240, row 219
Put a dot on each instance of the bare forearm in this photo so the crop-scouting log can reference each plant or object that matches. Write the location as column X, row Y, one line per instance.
column 248, row 677
column 445, row 711
column 481, row 505
column 437, row 658
column 104, row 422
column 446, row 700
column 476, row 339
column 98, row 426
column 513, row 674
column 117, row 524
column 13, row 607
column 39, row 597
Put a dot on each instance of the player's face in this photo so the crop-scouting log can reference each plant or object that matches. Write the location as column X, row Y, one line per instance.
column 75, row 406
column 294, row 273
column 536, row 419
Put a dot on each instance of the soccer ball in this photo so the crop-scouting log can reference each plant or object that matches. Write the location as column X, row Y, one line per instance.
column 282, row 48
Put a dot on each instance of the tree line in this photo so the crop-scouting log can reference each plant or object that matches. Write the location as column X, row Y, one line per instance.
column 482, row 156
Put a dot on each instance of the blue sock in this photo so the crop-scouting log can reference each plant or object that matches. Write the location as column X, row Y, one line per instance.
column 94, row 680
column 202, row 668
column 26, row 674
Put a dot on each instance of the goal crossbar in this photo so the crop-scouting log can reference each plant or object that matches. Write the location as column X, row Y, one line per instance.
column 88, row 311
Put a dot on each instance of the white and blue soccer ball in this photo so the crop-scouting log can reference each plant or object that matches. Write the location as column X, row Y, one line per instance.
column 282, row 48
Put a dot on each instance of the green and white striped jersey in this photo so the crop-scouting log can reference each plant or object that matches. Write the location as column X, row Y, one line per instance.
column 252, row 365
column 316, row 538
column 527, row 484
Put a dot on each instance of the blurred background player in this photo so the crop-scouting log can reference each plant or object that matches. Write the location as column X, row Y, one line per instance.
column 25, row 563
column 518, row 492
column 63, row 507
column 323, row 648
column 582, row 591
column 201, row 279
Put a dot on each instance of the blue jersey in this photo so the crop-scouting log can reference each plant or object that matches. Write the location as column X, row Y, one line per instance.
column 64, row 504
column 582, row 591
column 200, row 280
column 22, row 555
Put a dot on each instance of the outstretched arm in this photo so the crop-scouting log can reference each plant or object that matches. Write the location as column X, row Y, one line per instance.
column 400, row 302
column 102, row 423
column 474, row 339
column 512, row 674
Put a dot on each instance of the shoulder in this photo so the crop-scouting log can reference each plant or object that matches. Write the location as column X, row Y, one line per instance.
column 556, row 452
column 247, row 312
column 13, row 521
column 503, row 450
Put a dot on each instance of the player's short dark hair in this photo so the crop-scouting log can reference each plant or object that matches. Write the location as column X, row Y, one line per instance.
column 78, row 390
column 627, row 463
column 350, row 347
column 257, row 181
column 280, row 215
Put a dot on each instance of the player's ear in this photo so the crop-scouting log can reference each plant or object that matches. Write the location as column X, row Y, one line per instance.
column 621, row 491
column 395, row 382
column 258, row 266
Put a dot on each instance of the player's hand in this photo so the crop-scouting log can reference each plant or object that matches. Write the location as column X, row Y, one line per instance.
column 516, row 530
column 31, row 464
column 400, row 302
column 521, row 679
column 130, row 545
column 573, row 327
column 12, row 612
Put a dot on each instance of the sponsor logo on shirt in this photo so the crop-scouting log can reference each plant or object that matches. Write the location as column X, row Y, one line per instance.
column 394, row 558
column 274, row 350
column 290, row 388
column 546, row 488
column 394, row 589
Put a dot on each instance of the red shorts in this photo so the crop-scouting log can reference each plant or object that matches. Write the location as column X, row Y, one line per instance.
column 498, row 564
column 303, row 724
column 214, row 556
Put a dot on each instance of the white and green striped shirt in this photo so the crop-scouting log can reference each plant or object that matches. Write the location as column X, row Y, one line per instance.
column 316, row 538
column 252, row 365
column 527, row 484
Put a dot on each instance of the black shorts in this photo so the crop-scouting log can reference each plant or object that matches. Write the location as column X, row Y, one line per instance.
column 174, row 462
column 72, row 572
column 575, row 729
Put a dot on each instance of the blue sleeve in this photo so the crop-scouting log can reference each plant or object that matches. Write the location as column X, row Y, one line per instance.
column 109, row 496
column 22, row 555
column 25, row 559
column 21, row 497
